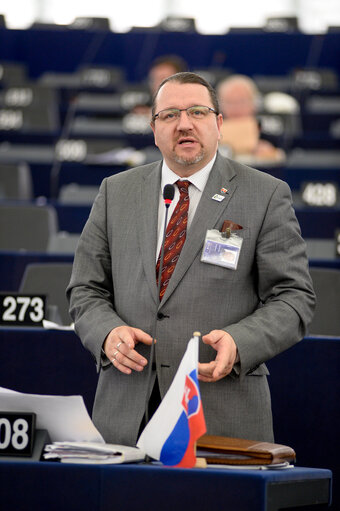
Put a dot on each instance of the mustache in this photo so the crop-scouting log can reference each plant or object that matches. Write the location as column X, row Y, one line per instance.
column 185, row 134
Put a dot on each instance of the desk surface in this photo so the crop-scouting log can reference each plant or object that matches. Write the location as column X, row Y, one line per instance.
column 44, row 361
column 55, row 486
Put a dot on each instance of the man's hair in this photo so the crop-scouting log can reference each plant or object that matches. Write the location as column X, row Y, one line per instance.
column 187, row 77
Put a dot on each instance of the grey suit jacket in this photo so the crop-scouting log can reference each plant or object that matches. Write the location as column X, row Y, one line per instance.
column 266, row 304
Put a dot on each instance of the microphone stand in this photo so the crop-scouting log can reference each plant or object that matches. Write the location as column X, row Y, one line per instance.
column 167, row 201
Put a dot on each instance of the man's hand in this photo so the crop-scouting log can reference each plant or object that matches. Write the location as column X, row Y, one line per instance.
column 119, row 348
column 226, row 349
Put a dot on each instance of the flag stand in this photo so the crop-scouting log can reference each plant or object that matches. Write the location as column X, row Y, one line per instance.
column 200, row 462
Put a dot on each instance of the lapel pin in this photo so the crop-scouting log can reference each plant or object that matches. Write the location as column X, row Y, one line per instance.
column 218, row 198
column 224, row 190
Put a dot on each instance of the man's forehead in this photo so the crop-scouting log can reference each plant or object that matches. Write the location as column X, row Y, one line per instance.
column 175, row 94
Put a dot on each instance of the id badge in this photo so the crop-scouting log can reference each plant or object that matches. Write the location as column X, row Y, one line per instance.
column 220, row 250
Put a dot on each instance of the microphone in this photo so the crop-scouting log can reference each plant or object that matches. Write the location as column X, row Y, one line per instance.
column 168, row 195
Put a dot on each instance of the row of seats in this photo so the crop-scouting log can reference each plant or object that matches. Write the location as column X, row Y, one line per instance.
column 34, row 179
column 34, row 229
column 52, row 279
column 32, row 226
column 111, row 77
column 98, row 101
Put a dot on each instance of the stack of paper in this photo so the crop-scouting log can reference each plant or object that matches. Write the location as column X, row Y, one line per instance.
column 64, row 417
column 93, row 452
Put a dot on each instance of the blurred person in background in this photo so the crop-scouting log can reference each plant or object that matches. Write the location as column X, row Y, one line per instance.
column 161, row 68
column 240, row 101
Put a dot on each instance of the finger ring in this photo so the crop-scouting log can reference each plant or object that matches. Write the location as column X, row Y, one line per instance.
column 115, row 353
column 113, row 360
column 120, row 342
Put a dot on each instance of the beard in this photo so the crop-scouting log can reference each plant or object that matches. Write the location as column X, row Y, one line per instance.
column 189, row 161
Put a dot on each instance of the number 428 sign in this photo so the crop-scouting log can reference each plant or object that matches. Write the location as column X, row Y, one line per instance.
column 16, row 309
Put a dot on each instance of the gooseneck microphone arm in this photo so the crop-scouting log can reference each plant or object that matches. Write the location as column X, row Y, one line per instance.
column 168, row 195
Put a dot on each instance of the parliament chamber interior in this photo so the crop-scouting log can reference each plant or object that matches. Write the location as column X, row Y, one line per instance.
column 69, row 117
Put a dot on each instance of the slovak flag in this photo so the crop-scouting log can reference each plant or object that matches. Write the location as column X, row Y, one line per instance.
column 178, row 422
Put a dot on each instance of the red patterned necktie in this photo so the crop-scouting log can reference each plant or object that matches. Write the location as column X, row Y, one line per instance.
column 175, row 235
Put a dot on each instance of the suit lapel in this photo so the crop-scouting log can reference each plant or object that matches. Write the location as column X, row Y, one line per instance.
column 208, row 213
column 147, row 224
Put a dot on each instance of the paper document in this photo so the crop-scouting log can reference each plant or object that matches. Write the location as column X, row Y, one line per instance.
column 64, row 417
column 275, row 466
column 91, row 452
column 50, row 325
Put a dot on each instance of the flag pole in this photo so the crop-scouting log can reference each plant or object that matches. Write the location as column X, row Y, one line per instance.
column 200, row 462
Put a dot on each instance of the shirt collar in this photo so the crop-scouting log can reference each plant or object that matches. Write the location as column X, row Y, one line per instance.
column 199, row 179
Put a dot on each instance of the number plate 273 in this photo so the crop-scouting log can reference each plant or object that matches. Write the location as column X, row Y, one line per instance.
column 23, row 310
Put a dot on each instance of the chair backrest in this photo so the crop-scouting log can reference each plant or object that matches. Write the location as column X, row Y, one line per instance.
column 15, row 182
column 50, row 279
column 74, row 193
column 63, row 243
column 12, row 73
column 326, row 320
column 26, row 227
column 319, row 248
column 90, row 23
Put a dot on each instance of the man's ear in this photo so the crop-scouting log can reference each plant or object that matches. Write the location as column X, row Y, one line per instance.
column 219, row 121
column 152, row 126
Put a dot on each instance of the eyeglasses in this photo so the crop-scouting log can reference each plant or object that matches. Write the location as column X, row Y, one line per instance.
column 194, row 112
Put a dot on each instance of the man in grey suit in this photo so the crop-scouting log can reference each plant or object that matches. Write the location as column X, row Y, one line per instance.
column 246, row 315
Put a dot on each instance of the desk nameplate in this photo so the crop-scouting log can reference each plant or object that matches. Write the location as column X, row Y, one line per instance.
column 21, row 309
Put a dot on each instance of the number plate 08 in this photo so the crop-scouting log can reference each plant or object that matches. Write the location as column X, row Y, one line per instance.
column 16, row 433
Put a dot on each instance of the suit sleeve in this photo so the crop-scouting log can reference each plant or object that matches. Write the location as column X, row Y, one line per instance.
column 284, row 287
column 90, row 291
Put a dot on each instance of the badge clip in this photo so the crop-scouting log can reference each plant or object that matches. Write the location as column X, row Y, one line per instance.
column 228, row 227
column 226, row 233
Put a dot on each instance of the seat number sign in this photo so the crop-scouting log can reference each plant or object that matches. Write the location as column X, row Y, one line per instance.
column 21, row 310
column 16, row 433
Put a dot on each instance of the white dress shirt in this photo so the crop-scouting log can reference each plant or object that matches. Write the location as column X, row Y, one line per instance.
column 198, row 182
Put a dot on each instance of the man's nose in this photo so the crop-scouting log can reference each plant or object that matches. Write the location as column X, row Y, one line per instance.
column 184, row 122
